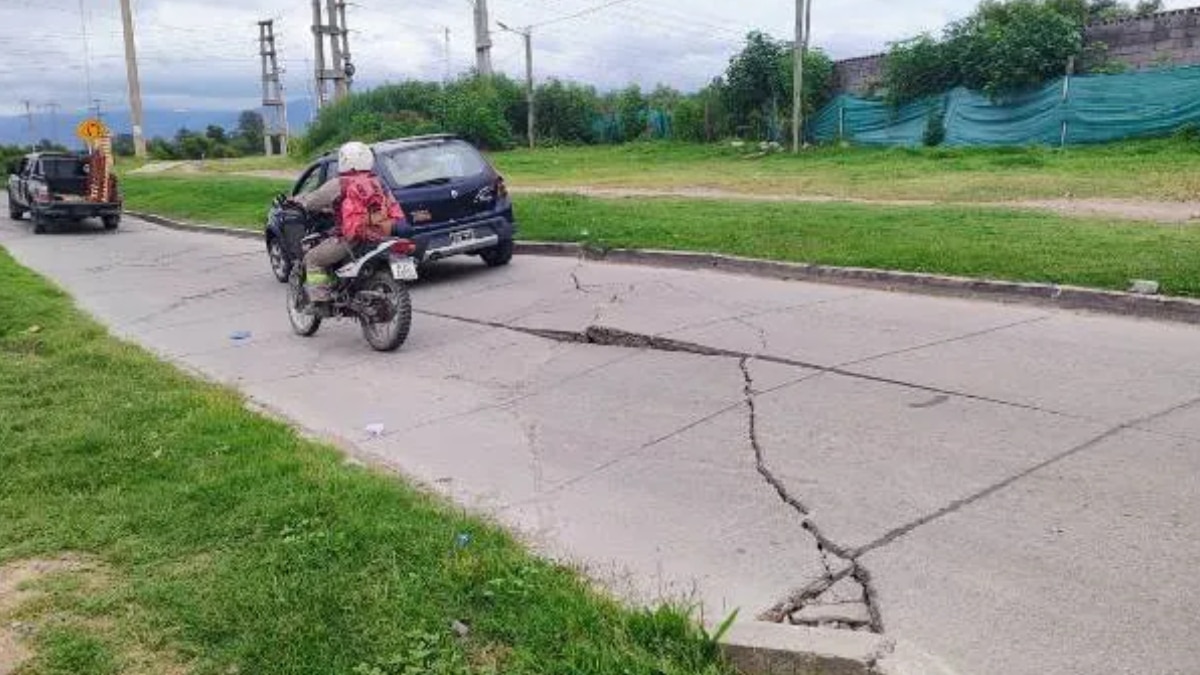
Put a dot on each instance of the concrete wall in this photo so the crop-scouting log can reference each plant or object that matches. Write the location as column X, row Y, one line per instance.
column 1169, row 38
column 857, row 76
column 1164, row 39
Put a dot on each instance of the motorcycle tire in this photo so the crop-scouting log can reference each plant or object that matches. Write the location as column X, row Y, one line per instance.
column 387, row 337
column 304, row 323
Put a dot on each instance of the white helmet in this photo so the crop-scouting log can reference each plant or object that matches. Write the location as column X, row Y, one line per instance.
column 355, row 156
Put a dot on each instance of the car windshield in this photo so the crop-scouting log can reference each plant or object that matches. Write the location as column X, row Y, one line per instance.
column 431, row 164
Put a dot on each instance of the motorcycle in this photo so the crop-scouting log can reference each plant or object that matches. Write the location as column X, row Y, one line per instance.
column 371, row 288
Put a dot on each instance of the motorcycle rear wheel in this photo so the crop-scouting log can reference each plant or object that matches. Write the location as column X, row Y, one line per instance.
column 304, row 322
column 389, row 335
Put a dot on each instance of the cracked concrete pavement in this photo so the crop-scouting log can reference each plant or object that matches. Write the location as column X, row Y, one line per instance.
column 1010, row 488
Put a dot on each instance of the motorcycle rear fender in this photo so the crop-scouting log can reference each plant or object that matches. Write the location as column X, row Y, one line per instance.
column 352, row 269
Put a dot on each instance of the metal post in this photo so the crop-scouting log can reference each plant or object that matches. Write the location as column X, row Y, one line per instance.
column 1066, row 93
column 529, row 82
column 29, row 120
column 135, row 87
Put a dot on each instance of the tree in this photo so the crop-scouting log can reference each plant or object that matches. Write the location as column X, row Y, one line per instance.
column 250, row 130
column 123, row 145
column 757, row 87
column 215, row 133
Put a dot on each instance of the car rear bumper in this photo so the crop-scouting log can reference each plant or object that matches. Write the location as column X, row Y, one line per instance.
column 76, row 210
column 462, row 238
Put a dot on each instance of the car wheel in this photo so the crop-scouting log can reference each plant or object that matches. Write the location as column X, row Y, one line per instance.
column 499, row 255
column 111, row 222
column 14, row 212
column 281, row 265
column 39, row 222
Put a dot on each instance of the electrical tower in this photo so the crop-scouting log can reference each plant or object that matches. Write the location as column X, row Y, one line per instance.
column 332, row 78
column 483, row 40
column 275, row 124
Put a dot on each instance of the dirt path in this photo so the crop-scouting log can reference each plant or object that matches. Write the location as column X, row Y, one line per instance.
column 1123, row 209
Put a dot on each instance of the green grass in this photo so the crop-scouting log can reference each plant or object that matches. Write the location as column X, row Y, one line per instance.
column 996, row 243
column 233, row 545
column 1014, row 244
column 1158, row 169
column 228, row 200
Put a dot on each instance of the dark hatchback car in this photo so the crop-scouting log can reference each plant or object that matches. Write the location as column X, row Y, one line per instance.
column 455, row 202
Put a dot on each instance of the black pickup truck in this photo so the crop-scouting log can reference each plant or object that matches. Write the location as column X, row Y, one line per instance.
column 55, row 186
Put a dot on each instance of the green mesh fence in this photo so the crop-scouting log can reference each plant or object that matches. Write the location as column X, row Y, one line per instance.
column 1076, row 110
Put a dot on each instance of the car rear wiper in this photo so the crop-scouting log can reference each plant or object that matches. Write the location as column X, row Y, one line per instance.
column 429, row 183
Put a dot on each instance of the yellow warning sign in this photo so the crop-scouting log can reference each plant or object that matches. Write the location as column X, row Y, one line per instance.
column 91, row 130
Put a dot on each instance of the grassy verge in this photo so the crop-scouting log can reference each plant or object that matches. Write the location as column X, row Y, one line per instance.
column 1159, row 169
column 229, row 545
column 968, row 241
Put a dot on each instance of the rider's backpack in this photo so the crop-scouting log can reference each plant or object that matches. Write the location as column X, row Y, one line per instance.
column 368, row 210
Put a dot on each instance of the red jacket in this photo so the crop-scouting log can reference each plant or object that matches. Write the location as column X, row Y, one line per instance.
column 362, row 193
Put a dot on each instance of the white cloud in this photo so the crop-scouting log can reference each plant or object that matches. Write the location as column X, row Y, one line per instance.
column 202, row 54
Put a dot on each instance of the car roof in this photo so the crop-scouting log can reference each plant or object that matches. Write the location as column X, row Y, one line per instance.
column 407, row 142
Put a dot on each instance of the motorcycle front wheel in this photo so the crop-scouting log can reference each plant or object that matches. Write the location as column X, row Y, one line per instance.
column 305, row 323
column 387, row 336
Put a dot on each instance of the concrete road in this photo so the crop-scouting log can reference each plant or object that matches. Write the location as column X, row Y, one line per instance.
column 1012, row 489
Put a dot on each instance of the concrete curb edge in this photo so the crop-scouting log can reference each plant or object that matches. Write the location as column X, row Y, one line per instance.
column 194, row 227
column 1166, row 308
column 1185, row 310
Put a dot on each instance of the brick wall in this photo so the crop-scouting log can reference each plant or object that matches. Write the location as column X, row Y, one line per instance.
column 1164, row 39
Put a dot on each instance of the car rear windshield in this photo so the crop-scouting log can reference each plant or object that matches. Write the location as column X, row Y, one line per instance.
column 62, row 167
column 431, row 164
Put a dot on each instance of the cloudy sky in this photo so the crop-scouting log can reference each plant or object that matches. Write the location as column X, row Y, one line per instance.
column 203, row 54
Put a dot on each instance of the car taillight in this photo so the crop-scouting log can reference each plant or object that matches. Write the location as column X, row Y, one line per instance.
column 403, row 247
column 501, row 190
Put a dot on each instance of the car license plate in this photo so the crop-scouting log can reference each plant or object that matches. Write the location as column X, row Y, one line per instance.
column 404, row 270
column 462, row 237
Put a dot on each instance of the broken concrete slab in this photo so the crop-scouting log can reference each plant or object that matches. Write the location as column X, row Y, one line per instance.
column 756, row 648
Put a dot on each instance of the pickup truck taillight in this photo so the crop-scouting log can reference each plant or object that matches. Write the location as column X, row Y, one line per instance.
column 41, row 193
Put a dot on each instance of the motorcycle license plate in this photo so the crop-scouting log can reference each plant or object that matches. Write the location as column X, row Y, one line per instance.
column 404, row 270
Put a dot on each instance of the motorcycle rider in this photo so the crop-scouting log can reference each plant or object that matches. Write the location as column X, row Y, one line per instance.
column 364, row 209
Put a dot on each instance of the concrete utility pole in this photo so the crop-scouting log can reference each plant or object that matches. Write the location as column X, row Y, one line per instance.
column 29, row 119
column 339, row 70
column 803, row 24
column 135, row 86
column 527, row 34
column 275, row 108
column 483, row 40
column 446, row 55
column 347, row 67
column 53, row 107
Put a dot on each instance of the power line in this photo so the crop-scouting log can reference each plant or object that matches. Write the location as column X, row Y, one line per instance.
column 576, row 15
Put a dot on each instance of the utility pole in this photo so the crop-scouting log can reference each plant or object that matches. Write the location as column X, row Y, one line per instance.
column 483, row 40
column 339, row 69
column 527, row 34
column 135, row 87
column 275, row 119
column 346, row 67
column 803, row 28
column 32, row 132
column 446, row 55
column 53, row 107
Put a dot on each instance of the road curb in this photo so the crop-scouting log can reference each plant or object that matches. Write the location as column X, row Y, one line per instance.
column 1184, row 310
column 194, row 227
column 1166, row 308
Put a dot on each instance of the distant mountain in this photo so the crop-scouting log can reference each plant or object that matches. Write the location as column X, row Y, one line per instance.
column 15, row 129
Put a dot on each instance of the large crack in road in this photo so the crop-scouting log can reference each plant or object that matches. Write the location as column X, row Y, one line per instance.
column 844, row 597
